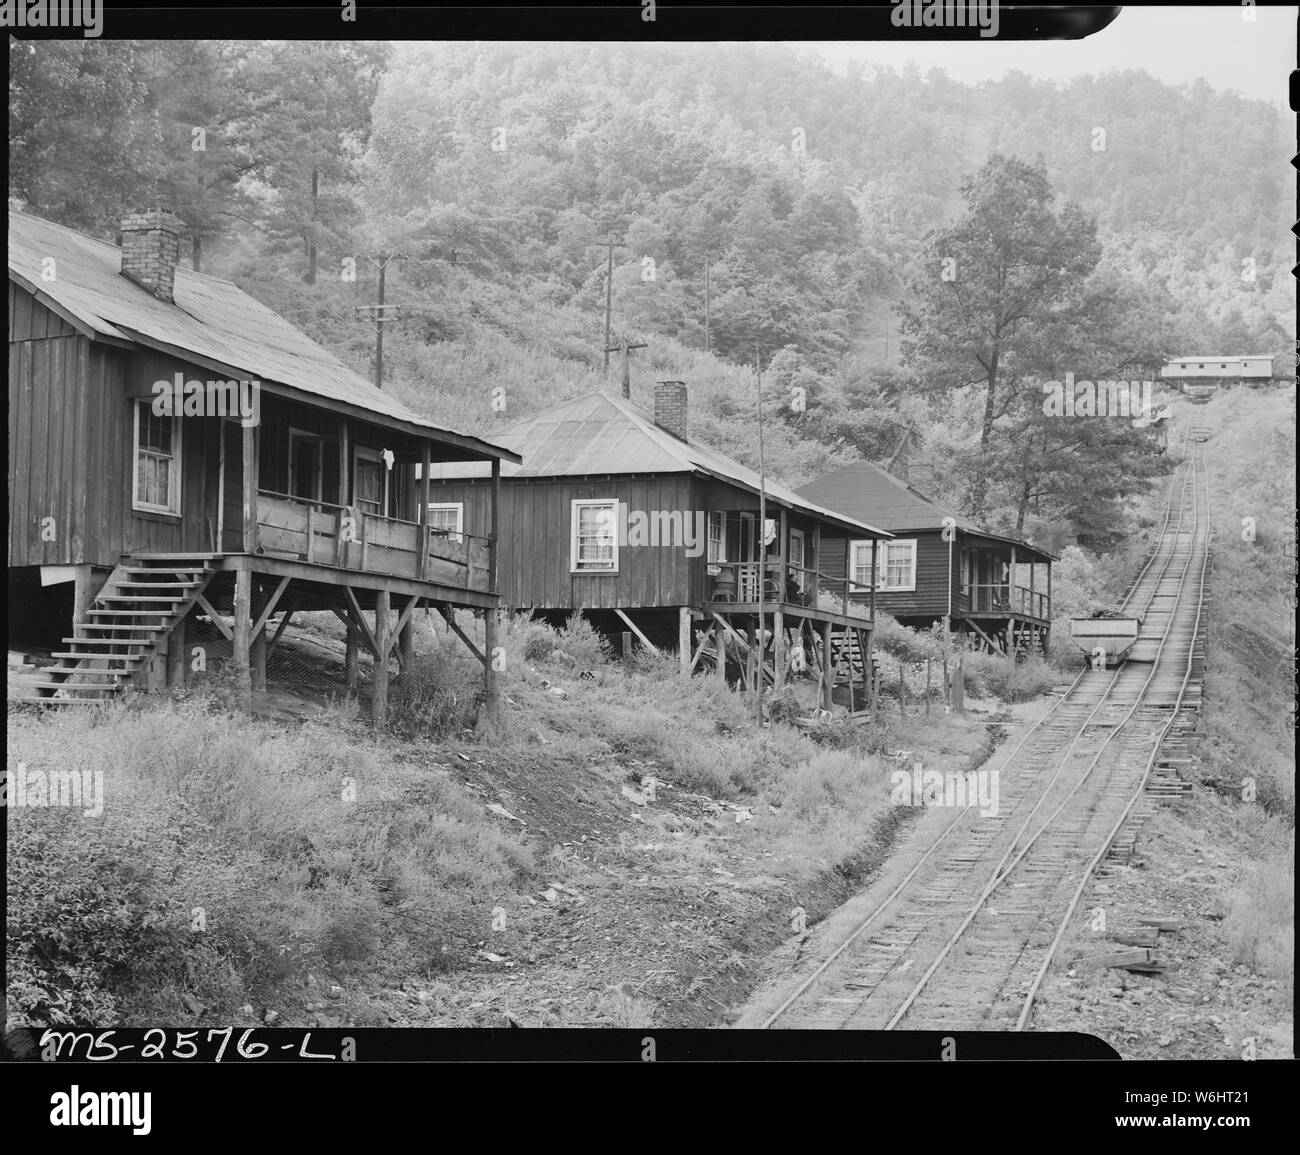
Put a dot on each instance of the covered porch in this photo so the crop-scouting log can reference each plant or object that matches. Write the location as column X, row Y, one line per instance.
column 320, row 508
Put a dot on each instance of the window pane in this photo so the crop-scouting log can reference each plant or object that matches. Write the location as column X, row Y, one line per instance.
column 155, row 432
column 717, row 542
column 596, row 536
column 446, row 519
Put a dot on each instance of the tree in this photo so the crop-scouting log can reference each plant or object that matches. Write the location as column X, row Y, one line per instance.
column 306, row 132
column 1011, row 265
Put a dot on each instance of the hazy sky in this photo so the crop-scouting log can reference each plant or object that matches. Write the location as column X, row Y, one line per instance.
column 1174, row 44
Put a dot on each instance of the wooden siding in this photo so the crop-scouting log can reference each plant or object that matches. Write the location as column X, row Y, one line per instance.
column 533, row 558
column 47, row 450
column 931, row 594
column 29, row 320
column 117, row 380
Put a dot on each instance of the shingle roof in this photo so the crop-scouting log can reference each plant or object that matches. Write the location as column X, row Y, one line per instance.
column 865, row 490
column 601, row 434
column 210, row 318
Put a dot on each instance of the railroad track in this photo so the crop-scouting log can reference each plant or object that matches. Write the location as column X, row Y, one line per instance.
column 966, row 937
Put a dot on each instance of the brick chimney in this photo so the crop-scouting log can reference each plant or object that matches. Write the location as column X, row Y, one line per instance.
column 670, row 407
column 150, row 248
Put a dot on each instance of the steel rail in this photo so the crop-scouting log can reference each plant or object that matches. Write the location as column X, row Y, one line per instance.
column 1032, row 993
column 1003, row 870
column 1050, row 715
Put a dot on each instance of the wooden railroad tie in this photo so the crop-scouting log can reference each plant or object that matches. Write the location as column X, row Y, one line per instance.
column 1140, row 960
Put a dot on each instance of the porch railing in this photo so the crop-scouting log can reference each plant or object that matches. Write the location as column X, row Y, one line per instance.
column 350, row 538
column 792, row 585
column 999, row 597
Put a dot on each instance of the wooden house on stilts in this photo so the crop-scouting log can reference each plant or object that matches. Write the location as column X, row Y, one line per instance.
column 616, row 513
column 180, row 452
column 997, row 590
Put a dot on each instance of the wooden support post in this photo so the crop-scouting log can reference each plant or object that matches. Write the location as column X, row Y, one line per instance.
column 449, row 616
column 240, row 636
column 778, row 644
column 285, row 619
column 626, row 644
column 426, row 468
column 848, row 577
column 1047, row 613
column 84, row 589
column 816, row 557
column 864, row 642
column 406, row 647
column 959, row 685
column 720, row 641
column 176, row 656
column 352, row 655
column 345, row 464
column 684, row 640
column 250, row 489
column 1011, row 645
column 631, row 625
column 379, row 689
column 783, row 558
column 750, row 680
column 875, row 543
column 491, row 700
column 257, row 651
column 828, row 683
column 494, row 552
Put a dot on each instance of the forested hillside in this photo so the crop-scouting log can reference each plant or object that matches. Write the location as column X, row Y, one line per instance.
column 821, row 205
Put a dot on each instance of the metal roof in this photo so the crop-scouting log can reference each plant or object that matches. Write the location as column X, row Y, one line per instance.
column 210, row 318
column 1234, row 357
column 598, row 434
column 866, row 490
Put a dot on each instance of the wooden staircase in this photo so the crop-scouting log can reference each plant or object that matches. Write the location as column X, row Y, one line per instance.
column 846, row 658
column 125, row 627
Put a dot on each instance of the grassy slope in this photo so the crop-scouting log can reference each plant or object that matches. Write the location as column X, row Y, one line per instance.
column 344, row 878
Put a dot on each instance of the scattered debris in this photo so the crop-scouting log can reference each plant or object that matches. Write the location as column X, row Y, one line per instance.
column 1162, row 924
column 501, row 812
column 635, row 796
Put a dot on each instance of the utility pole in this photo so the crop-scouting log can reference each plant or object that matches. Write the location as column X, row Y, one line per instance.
column 624, row 347
column 379, row 313
column 609, row 294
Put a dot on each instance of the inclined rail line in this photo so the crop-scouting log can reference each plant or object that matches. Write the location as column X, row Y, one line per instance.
column 1110, row 725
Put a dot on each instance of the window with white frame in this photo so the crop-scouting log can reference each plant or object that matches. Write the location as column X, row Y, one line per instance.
column 896, row 565
column 593, row 546
column 860, row 566
column 717, row 537
column 447, row 518
column 156, row 487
